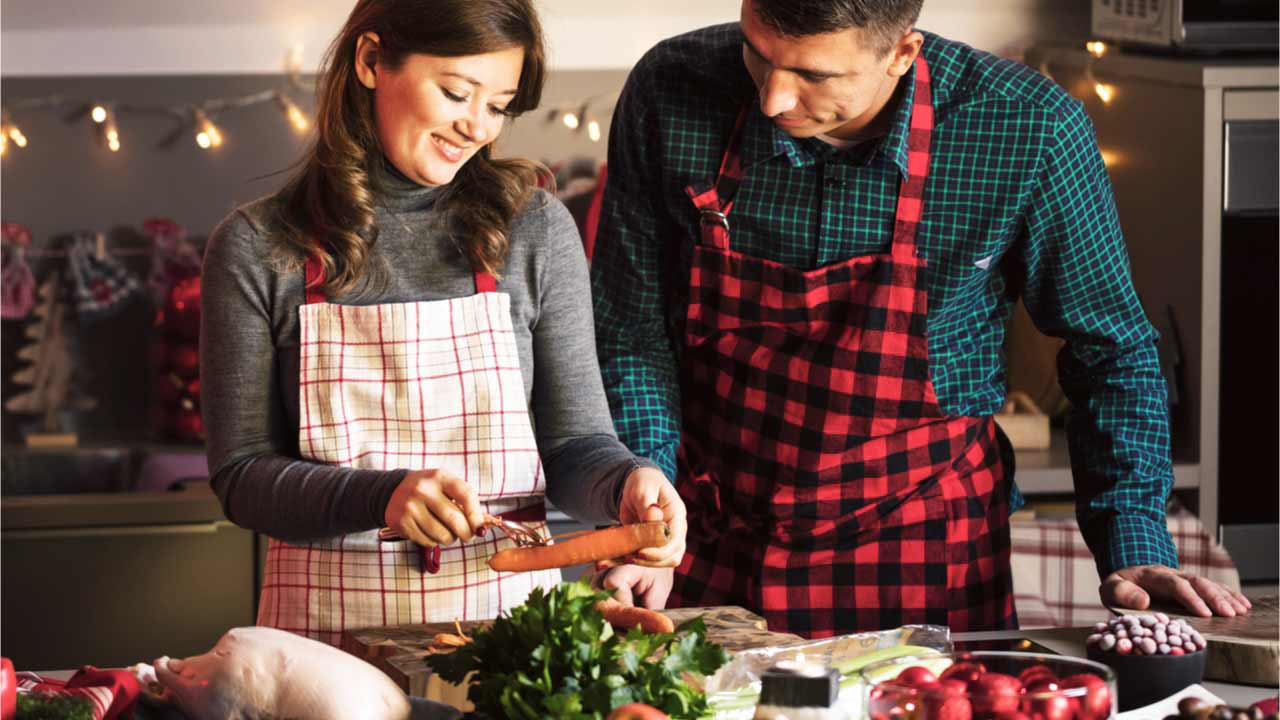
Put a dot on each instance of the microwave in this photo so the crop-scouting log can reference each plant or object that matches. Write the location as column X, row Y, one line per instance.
column 1191, row 25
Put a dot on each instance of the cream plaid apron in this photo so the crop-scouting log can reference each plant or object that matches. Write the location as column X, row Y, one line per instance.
column 416, row 385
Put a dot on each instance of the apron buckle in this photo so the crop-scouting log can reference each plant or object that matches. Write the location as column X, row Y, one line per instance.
column 711, row 216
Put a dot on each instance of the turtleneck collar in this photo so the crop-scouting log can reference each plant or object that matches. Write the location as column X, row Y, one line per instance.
column 400, row 193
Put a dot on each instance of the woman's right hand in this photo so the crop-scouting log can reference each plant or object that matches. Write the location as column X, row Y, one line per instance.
column 432, row 507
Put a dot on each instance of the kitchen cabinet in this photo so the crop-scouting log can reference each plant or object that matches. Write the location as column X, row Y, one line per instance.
column 98, row 570
column 1191, row 149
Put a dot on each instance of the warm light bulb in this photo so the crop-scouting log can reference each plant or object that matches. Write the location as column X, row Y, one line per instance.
column 207, row 134
column 1106, row 93
column 99, row 113
column 291, row 111
column 110, row 131
column 593, row 131
column 1096, row 47
column 16, row 136
column 4, row 144
column 571, row 121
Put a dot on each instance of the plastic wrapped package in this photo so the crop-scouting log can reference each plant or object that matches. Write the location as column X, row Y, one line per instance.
column 733, row 690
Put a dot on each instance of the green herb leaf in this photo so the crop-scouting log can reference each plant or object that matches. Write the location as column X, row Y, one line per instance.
column 555, row 656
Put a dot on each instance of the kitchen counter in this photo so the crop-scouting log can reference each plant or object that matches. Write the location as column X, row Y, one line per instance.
column 1067, row 641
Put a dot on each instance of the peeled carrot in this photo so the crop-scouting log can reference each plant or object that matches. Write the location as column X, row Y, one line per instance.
column 623, row 617
column 588, row 547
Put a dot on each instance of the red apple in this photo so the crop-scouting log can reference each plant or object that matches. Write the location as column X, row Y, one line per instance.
column 1040, row 685
column 947, row 707
column 1033, row 672
column 1049, row 707
column 966, row 671
column 916, row 676
column 995, row 693
column 1096, row 702
column 953, row 686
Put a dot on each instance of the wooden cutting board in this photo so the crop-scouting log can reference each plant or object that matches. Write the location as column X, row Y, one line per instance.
column 398, row 650
column 1244, row 649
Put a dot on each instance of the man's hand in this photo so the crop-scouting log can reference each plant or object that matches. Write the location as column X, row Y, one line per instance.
column 1135, row 587
column 647, row 496
column 636, row 585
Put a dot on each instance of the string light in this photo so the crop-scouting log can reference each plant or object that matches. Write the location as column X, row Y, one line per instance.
column 207, row 134
column 1096, row 47
column 1106, row 93
column 15, row 135
column 189, row 117
column 110, row 130
column 583, row 115
column 291, row 112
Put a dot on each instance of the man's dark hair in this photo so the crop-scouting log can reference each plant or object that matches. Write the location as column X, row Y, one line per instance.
column 884, row 20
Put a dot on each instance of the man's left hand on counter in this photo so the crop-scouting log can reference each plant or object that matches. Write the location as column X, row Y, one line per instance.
column 1135, row 587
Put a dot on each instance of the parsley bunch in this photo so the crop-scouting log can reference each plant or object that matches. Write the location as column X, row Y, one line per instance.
column 555, row 656
column 53, row 706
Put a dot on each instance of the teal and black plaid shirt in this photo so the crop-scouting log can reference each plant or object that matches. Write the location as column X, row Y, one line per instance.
column 1017, row 204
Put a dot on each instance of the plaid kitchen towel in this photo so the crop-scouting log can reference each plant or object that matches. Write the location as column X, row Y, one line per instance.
column 1055, row 581
column 111, row 693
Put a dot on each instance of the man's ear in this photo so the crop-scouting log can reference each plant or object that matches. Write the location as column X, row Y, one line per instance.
column 367, row 60
column 904, row 53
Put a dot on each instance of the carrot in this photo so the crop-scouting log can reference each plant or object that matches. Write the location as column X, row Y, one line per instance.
column 588, row 547
column 624, row 617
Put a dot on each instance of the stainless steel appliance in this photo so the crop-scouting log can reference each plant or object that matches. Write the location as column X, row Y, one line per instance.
column 109, row 559
column 1208, row 25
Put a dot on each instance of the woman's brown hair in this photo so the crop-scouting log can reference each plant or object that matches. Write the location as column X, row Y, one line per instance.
column 327, row 208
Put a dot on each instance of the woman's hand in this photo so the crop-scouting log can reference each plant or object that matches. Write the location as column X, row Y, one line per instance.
column 432, row 507
column 648, row 496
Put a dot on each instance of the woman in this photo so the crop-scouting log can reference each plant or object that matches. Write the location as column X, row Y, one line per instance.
column 425, row 297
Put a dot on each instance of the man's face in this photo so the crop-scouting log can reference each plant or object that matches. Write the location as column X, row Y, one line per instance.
column 834, row 83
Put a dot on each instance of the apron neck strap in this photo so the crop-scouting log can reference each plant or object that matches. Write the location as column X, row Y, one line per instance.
column 714, row 203
column 314, row 280
column 919, row 139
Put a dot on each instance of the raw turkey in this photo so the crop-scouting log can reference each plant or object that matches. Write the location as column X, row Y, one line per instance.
column 258, row 672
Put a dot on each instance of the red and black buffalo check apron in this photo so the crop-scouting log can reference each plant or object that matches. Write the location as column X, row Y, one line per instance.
column 418, row 385
column 827, row 489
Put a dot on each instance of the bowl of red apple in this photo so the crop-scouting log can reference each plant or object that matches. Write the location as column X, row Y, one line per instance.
column 989, row 686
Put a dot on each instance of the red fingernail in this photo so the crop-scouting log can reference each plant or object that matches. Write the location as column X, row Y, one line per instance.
column 483, row 530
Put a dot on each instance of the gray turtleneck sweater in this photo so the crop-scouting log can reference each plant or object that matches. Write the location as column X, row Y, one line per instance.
column 249, row 364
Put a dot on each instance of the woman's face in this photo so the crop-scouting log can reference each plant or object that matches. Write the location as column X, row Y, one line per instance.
column 433, row 113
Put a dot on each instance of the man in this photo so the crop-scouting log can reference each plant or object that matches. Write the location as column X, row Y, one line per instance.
column 816, row 224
